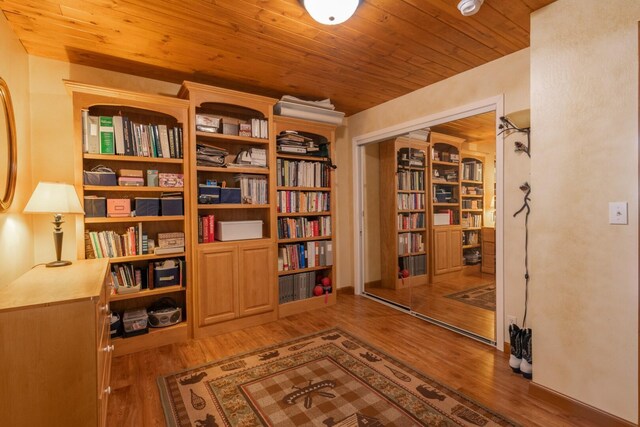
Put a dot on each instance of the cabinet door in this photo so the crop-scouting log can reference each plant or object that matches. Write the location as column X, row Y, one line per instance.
column 441, row 250
column 217, row 293
column 256, row 284
column 455, row 249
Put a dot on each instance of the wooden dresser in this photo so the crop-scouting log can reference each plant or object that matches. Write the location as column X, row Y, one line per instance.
column 55, row 353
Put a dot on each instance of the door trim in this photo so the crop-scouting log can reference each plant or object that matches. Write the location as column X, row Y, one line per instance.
column 496, row 104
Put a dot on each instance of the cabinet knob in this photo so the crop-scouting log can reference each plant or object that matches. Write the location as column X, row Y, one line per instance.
column 108, row 348
column 107, row 390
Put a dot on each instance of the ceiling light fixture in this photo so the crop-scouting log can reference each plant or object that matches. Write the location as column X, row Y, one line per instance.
column 469, row 7
column 330, row 12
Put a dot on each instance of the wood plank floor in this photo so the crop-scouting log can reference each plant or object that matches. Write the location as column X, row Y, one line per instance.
column 477, row 370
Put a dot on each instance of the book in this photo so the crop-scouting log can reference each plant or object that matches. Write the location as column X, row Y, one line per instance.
column 93, row 134
column 163, row 137
column 118, row 134
column 107, row 143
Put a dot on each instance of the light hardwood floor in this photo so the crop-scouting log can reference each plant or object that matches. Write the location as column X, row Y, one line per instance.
column 477, row 370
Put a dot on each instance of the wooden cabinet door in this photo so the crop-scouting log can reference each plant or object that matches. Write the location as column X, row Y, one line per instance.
column 217, row 292
column 440, row 250
column 256, row 284
column 455, row 249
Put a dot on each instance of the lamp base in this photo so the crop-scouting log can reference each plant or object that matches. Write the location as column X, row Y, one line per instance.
column 58, row 263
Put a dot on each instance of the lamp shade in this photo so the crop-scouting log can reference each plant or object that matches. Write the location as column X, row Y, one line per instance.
column 330, row 12
column 54, row 197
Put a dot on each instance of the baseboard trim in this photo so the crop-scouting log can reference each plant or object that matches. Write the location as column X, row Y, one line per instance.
column 576, row 408
column 346, row 290
column 507, row 347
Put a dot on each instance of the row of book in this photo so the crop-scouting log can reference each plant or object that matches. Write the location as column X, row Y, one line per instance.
column 471, row 220
column 410, row 243
column 453, row 215
column 448, row 175
column 305, row 255
column 253, row 189
column 290, row 141
column 303, row 201
column 471, row 237
column 472, row 170
column 411, row 221
column 110, row 244
column 410, row 201
column 471, row 189
column 295, row 228
column 410, row 157
column 300, row 173
column 411, row 180
column 294, row 287
column 472, row 203
column 206, row 228
column 416, row 265
column 121, row 136
column 445, row 155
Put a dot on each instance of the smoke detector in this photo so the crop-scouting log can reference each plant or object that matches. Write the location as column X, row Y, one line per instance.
column 469, row 7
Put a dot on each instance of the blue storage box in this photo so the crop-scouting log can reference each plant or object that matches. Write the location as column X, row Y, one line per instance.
column 95, row 207
column 99, row 178
column 170, row 206
column 230, row 195
column 147, row 206
column 208, row 194
column 166, row 273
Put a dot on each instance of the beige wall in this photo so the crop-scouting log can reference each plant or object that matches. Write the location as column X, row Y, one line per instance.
column 16, row 243
column 584, row 272
column 52, row 130
column 508, row 76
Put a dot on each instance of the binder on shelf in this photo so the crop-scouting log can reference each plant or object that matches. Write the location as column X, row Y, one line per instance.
column 107, row 143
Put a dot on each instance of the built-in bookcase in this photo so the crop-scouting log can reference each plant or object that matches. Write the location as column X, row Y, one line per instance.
column 305, row 212
column 472, row 208
column 142, row 121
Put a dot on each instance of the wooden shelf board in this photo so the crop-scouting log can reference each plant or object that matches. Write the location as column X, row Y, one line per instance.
column 141, row 159
column 220, row 243
column 472, row 210
column 305, row 239
column 146, row 257
column 471, row 228
column 411, row 191
column 146, row 292
column 232, row 206
column 322, row 213
column 474, row 196
column 303, row 188
column 440, row 162
column 410, row 230
column 301, row 157
column 304, row 270
column 411, row 254
column 155, row 338
column 133, row 189
column 304, row 305
column 477, row 245
column 253, row 171
column 453, row 205
column 232, row 138
column 132, row 219
column 455, row 183
column 470, row 181
column 411, row 210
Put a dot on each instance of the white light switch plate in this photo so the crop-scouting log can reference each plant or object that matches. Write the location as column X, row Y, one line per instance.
column 618, row 213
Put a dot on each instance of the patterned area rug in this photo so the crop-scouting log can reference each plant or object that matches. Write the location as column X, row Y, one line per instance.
column 326, row 379
column 482, row 296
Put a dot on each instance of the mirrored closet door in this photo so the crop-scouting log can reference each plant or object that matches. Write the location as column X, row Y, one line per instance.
column 429, row 223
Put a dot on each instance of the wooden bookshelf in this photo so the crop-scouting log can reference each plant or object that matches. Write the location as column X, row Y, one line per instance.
column 472, row 206
column 304, row 277
column 152, row 112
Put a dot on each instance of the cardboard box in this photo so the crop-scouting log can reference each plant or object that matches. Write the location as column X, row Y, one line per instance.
column 95, row 207
column 440, row 219
column 132, row 173
column 129, row 181
column 118, row 207
column 171, row 179
column 238, row 230
column 171, row 240
column 147, row 206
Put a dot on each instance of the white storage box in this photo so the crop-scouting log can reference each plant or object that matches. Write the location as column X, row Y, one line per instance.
column 440, row 219
column 238, row 230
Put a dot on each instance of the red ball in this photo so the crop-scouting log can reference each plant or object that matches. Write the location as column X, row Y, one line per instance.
column 317, row 291
column 404, row 273
column 326, row 281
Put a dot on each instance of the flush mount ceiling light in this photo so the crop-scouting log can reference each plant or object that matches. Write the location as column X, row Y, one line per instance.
column 330, row 12
column 469, row 7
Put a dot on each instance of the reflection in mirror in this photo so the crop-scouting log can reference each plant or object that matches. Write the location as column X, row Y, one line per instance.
column 8, row 148
column 429, row 223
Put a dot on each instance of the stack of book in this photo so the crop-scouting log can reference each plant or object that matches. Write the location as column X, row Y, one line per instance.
column 290, row 141
column 170, row 243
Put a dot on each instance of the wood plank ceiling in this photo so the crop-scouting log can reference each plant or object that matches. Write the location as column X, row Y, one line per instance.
column 272, row 47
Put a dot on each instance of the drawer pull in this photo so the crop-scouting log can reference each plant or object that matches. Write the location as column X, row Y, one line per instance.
column 108, row 348
column 107, row 390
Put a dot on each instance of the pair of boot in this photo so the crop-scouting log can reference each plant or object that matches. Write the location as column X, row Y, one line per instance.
column 520, row 359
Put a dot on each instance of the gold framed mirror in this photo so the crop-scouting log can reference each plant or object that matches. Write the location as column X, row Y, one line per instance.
column 8, row 148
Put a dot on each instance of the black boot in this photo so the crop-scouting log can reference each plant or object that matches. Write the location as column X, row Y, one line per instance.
column 515, row 359
column 526, row 366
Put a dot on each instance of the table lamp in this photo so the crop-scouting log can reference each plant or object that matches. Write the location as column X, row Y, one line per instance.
column 56, row 198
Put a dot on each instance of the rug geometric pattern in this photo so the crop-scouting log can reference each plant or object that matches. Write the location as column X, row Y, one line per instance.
column 481, row 296
column 329, row 378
